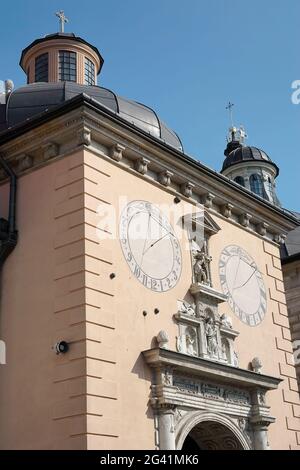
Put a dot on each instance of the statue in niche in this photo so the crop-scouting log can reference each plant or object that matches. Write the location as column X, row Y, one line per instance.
column 224, row 351
column 191, row 345
column 187, row 309
column 211, row 338
column 201, row 267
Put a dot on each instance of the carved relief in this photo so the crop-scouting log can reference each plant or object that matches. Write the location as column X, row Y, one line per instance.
column 226, row 210
column 226, row 321
column 187, row 341
column 141, row 165
column 245, row 219
column 50, row 150
column 167, row 377
column 187, row 189
column 262, row 228
column 211, row 391
column 211, row 338
column 187, row 309
column 191, row 341
column 84, row 136
column 165, row 177
column 116, row 152
column 25, row 162
column 207, row 200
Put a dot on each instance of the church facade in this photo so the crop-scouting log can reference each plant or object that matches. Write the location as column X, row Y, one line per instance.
column 142, row 297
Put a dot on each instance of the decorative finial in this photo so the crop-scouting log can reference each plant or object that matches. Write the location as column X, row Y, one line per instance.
column 229, row 107
column 62, row 20
column 236, row 134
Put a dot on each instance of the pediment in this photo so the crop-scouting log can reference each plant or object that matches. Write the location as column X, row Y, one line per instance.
column 203, row 220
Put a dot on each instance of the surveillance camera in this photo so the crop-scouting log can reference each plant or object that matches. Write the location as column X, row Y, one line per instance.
column 61, row 347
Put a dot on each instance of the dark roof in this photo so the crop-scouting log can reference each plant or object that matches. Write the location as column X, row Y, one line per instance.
column 31, row 100
column 246, row 154
column 70, row 36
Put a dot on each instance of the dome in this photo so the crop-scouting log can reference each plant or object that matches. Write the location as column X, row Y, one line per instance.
column 30, row 100
column 242, row 154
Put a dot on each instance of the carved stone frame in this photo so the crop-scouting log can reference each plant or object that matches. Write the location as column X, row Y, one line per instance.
column 246, row 391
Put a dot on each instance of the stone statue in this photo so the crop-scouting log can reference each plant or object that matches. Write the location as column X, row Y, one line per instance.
column 201, row 267
column 211, row 338
column 190, row 345
column 167, row 378
column 162, row 339
column 224, row 352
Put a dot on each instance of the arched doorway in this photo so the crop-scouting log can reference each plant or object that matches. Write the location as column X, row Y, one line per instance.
column 204, row 430
column 210, row 435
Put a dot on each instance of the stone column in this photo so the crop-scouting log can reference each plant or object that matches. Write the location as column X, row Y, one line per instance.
column 260, row 436
column 166, row 428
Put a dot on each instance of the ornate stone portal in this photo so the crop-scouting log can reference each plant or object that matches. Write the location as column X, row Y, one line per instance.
column 185, row 387
column 201, row 385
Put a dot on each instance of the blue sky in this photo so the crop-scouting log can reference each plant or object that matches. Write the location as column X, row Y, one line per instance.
column 187, row 59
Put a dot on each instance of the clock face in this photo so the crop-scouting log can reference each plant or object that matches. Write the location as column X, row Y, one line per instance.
column 150, row 246
column 243, row 283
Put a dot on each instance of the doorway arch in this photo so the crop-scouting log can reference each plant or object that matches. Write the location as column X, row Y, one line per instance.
column 209, row 431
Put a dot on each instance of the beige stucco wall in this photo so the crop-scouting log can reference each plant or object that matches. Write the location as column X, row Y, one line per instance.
column 30, row 398
column 56, row 285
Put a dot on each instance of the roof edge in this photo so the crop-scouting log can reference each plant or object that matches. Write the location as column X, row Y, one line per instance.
column 83, row 99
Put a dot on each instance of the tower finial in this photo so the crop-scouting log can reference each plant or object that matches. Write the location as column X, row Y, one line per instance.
column 62, row 20
column 229, row 107
column 236, row 134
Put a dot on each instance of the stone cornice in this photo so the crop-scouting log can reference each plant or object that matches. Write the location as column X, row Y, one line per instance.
column 205, row 368
column 83, row 121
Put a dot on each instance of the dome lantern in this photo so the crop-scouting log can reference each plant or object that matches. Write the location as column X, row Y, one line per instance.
column 250, row 166
column 61, row 57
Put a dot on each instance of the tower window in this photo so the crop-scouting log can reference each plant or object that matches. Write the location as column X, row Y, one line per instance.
column 256, row 185
column 240, row 180
column 41, row 68
column 89, row 72
column 67, row 66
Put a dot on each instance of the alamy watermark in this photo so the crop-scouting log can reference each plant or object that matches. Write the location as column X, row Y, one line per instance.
column 296, row 94
column 141, row 219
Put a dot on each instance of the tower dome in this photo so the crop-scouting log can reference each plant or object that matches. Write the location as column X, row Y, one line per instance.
column 61, row 66
column 250, row 166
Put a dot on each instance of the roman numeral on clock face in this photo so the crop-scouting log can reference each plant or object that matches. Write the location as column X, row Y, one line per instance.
column 243, row 283
column 150, row 246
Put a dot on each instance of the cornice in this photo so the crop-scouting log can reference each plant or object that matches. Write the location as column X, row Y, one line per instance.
column 199, row 367
column 83, row 121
